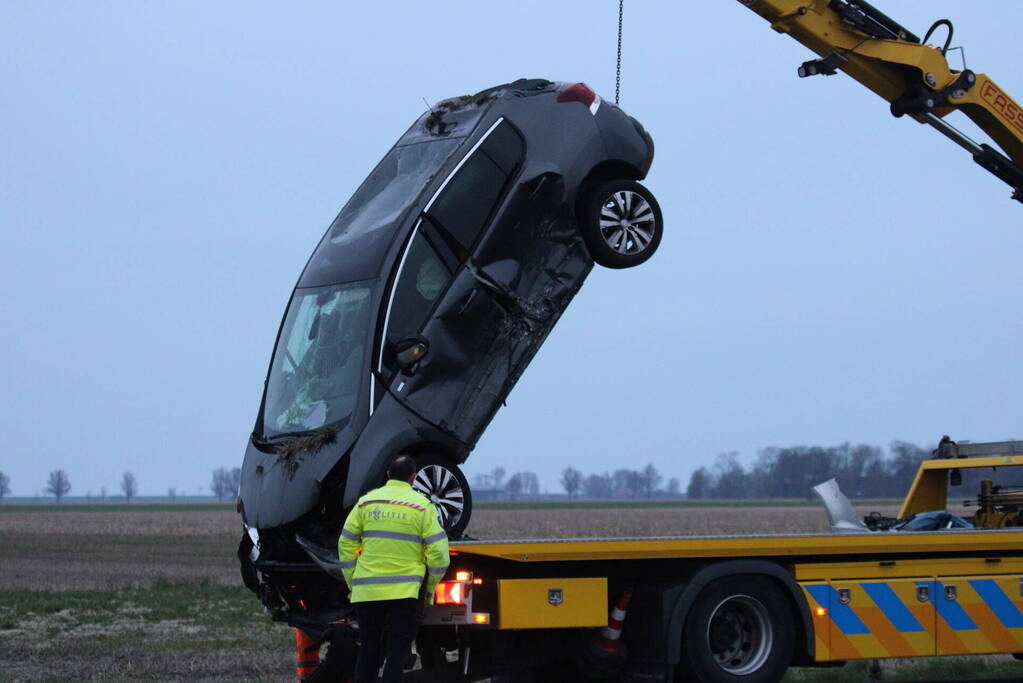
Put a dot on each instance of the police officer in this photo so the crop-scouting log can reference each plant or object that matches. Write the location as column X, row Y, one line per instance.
column 404, row 552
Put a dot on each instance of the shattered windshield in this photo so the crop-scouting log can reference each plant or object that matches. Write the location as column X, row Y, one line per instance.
column 391, row 188
column 319, row 361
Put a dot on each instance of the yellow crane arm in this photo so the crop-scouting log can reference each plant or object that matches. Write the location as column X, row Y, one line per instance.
column 857, row 38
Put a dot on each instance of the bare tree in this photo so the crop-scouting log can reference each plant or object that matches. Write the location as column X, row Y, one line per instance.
column 597, row 486
column 220, row 485
column 514, row 486
column 497, row 477
column 571, row 481
column 673, row 487
column 627, row 483
column 700, row 484
column 650, row 480
column 236, row 481
column 58, row 485
column 5, row 485
column 530, row 484
column 129, row 487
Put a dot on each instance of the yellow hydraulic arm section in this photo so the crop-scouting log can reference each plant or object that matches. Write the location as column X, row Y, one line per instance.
column 855, row 37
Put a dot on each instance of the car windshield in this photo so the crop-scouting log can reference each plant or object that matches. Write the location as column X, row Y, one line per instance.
column 319, row 361
column 391, row 188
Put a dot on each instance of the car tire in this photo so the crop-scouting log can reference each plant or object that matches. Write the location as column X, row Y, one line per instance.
column 739, row 629
column 442, row 481
column 621, row 223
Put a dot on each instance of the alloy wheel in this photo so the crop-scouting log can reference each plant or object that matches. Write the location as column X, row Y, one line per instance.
column 442, row 487
column 627, row 222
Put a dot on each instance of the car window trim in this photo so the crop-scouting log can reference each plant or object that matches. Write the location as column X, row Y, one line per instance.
column 461, row 163
column 394, row 286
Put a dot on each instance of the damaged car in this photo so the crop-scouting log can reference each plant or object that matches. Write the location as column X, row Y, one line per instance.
column 423, row 304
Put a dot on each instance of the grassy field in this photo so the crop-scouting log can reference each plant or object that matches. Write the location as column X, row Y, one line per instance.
column 152, row 592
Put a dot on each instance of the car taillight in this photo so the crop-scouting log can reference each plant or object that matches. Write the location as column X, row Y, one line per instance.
column 449, row 593
column 580, row 92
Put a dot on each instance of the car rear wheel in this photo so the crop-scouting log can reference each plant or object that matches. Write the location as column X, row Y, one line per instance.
column 621, row 223
column 739, row 629
column 443, row 483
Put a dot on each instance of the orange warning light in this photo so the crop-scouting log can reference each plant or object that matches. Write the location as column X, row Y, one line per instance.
column 821, row 611
column 477, row 582
column 449, row 593
column 462, row 576
column 481, row 618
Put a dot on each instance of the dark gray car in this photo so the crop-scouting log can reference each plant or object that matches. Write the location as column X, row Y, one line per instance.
column 423, row 304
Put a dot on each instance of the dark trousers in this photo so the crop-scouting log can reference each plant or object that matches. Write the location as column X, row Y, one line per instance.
column 400, row 619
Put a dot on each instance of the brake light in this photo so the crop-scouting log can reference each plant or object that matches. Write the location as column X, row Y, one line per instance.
column 579, row 92
column 449, row 593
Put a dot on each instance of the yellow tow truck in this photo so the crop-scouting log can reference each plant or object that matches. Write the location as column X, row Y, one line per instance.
column 744, row 608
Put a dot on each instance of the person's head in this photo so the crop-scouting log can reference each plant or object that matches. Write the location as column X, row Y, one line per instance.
column 402, row 468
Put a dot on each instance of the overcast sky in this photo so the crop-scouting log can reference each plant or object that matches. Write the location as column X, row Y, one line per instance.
column 828, row 273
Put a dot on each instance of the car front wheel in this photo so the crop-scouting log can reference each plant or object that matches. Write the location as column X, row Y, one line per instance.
column 443, row 483
column 621, row 222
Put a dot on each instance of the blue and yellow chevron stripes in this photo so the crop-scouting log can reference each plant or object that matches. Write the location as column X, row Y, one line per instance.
column 863, row 619
column 985, row 615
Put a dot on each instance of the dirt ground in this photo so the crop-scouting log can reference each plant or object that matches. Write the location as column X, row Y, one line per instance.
column 75, row 549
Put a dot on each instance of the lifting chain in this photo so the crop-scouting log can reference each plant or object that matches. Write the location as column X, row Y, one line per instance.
column 618, row 71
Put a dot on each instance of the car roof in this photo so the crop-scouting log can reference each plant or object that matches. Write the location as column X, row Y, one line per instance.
column 351, row 250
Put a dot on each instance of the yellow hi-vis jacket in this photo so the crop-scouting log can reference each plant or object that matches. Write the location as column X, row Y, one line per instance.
column 400, row 539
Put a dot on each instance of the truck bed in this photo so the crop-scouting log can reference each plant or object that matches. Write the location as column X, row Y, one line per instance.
column 827, row 546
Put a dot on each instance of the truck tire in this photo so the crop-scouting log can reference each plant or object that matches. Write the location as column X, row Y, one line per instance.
column 621, row 223
column 740, row 630
column 442, row 481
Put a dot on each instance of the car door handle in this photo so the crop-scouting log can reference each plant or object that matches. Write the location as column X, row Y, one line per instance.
column 468, row 301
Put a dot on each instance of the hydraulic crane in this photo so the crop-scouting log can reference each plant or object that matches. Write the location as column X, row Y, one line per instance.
column 915, row 78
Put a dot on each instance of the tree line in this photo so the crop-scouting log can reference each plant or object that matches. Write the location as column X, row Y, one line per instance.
column 224, row 485
column 623, row 483
column 861, row 471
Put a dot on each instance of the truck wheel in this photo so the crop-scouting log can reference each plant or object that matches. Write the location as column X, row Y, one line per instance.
column 621, row 223
column 443, row 483
column 740, row 628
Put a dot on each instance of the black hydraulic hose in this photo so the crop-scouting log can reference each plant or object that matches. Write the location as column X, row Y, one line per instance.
column 935, row 25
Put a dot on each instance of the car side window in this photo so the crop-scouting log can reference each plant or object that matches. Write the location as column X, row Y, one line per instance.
column 467, row 202
column 422, row 279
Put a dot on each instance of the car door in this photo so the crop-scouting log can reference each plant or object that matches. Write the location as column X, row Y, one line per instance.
column 471, row 326
column 514, row 229
column 454, row 315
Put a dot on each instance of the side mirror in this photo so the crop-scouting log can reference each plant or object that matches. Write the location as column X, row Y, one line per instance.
column 409, row 352
column 955, row 477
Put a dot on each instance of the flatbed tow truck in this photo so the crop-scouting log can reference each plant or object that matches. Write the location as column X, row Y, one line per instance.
column 746, row 608
column 729, row 608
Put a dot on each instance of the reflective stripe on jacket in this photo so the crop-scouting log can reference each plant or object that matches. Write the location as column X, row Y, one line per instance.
column 389, row 542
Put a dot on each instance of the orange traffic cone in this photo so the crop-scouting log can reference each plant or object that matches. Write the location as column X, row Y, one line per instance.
column 307, row 655
column 604, row 653
column 608, row 638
